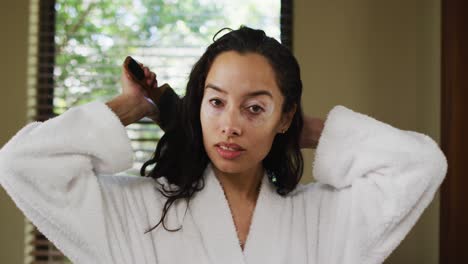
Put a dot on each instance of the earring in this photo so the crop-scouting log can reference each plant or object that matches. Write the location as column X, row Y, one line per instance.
column 272, row 177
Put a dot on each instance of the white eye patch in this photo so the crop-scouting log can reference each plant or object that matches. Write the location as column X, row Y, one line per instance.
column 262, row 118
column 208, row 110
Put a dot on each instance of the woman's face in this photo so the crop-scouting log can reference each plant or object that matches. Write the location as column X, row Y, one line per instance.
column 241, row 105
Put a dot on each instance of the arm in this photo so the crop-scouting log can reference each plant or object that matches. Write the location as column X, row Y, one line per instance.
column 127, row 109
column 311, row 132
column 161, row 104
column 375, row 181
column 49, row 169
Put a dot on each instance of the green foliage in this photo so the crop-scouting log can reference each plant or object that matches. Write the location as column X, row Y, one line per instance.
column 93, row 38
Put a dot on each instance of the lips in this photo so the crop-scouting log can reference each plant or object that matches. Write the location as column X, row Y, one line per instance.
column 229, row 146
column 229, row 150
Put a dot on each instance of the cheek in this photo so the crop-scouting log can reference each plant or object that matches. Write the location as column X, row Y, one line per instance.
column 209, row 118
column 204, row 120
column 261, row 144
column 208, row 112
column 262, row 133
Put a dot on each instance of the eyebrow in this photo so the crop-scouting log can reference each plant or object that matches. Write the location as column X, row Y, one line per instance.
column 251, row 94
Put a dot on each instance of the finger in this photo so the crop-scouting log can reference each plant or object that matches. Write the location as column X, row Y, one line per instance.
column 151, row 79
column 125, row 70
column 155, row 84
column 125, row 75
column 155, row 77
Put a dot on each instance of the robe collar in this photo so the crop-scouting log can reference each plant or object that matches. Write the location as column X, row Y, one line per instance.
column 212, row 215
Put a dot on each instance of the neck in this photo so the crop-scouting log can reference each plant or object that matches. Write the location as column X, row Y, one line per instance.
column 241, row 186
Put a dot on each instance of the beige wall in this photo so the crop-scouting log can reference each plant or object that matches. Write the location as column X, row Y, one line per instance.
column 13, row 51
column 380, row 58
column 376, row 57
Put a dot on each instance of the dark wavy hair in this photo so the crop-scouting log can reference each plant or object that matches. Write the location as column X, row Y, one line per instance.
column 180, row 156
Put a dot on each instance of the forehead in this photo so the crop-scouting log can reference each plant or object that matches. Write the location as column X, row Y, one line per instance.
column 242, row 74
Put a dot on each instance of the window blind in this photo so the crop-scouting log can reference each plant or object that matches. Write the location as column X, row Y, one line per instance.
column 77, row 49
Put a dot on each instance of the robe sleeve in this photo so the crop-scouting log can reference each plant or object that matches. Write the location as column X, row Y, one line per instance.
column 50, row 170
column 375, row 181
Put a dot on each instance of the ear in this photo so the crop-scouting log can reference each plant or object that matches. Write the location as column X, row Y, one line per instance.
column 286, row 119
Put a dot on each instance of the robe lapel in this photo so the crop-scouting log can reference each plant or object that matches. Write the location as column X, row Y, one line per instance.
column 212, row 216
column 262, row 242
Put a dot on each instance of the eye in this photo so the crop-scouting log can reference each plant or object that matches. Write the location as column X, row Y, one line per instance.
column 215, row 102
column 255, row 109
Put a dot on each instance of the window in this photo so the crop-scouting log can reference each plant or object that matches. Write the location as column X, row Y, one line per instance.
column 78, row 46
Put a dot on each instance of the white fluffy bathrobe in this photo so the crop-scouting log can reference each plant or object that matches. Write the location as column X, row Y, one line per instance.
column 373, row 182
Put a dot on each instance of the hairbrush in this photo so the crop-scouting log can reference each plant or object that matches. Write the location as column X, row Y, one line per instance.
column 164, row 96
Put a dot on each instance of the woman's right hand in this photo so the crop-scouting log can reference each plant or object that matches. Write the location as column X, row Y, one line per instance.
column 139, row 93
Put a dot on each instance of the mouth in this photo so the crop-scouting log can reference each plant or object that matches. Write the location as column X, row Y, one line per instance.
column 229, row 151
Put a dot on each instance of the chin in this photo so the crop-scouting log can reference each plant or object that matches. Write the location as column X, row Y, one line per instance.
column 228, row 166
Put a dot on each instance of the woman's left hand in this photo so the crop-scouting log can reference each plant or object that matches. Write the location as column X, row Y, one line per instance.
column 311, row 132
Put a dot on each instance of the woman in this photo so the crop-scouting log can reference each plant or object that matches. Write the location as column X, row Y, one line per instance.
column 226, row 179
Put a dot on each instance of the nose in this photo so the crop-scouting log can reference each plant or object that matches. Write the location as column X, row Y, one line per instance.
column 231, row 125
